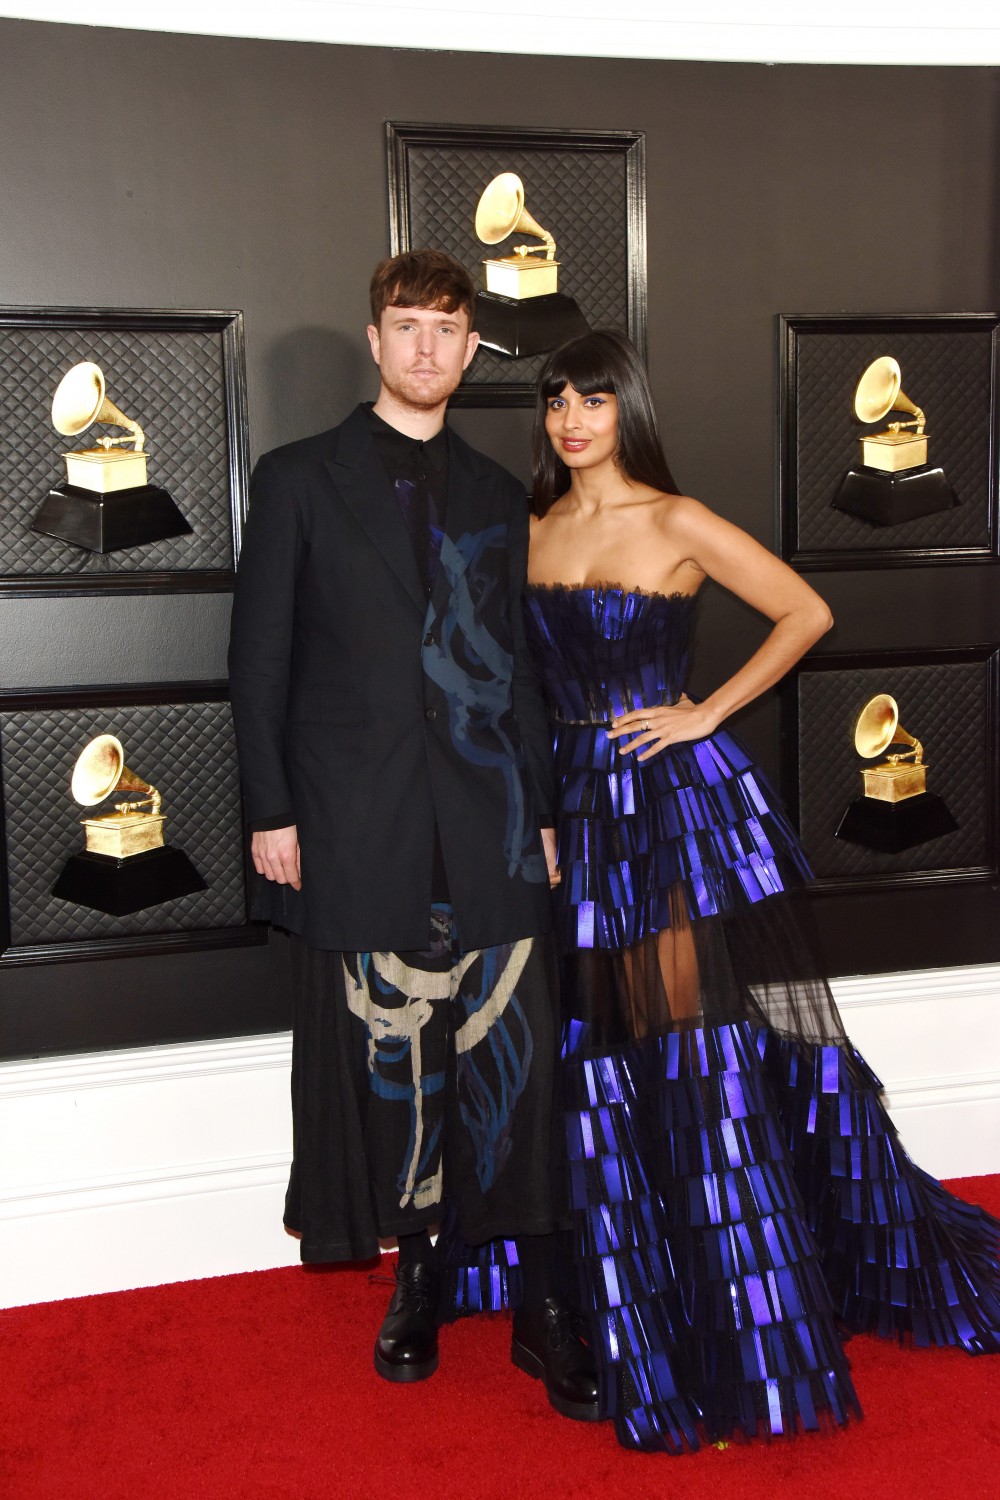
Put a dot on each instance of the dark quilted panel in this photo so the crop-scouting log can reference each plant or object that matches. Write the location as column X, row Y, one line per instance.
column 187, row 750
column 171, row 383
column 945, row 373
column 446, row 185
column 945, row 706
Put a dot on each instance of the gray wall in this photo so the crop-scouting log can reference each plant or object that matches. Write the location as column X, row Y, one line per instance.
column 147, row 170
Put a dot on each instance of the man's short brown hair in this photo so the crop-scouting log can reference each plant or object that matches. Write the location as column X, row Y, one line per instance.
column 422, row 278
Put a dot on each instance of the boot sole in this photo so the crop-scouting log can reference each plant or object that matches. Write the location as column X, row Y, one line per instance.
column 405, row 1374
column 577, row 1411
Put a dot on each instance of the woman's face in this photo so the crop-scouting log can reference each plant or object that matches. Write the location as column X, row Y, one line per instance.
column 583, row 430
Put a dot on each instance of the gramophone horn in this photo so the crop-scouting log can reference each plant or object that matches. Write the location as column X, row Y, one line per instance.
column 878, row 727
column 80, row 401
column 100, row 769
column 879, row 392
column 501, row 212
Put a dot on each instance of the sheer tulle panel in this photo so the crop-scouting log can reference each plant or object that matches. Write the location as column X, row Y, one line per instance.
column 760, row 966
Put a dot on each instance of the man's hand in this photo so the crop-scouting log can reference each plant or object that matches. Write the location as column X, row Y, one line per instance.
column 551, row 856
column 276, row 855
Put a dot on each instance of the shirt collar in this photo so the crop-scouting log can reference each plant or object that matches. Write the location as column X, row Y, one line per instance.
column 403, row 448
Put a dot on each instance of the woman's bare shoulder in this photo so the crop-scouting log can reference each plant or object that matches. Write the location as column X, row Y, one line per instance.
column 683, row 514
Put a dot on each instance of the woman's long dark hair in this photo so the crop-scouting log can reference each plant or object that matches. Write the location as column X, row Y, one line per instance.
column 599, row 361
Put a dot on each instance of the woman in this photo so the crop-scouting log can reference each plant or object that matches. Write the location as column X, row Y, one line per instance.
column 739, row 1196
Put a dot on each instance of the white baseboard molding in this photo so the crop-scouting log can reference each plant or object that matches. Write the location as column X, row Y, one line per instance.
column 125, row 1169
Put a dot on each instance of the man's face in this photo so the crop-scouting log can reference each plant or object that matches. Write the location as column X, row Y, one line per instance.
column 421, row 353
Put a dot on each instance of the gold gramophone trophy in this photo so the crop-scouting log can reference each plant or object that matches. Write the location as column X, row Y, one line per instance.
column 896, row 811
column 105, row 503
column 522, row 311
column 894, row 482
column 125, row 866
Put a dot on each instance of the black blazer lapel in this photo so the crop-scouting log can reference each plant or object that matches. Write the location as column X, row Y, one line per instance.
column 360, row 478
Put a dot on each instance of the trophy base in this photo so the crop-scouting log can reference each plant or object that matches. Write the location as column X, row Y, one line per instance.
column 109, row 523
column 521, row 328
column 119, row 887
column 888, row 783
column 521, row 277
column 894, row 452
column 891, row 827
column 888, row 499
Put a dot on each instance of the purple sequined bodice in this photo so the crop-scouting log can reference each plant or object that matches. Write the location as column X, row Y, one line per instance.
column 603, row 650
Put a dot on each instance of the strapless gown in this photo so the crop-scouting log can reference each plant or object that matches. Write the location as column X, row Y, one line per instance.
column 738, row 1196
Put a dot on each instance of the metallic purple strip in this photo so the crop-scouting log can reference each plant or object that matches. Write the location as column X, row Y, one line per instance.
column 612, row 1344
column 613, row 1179
column 590, row 1075
column 760, row 1359
column 732, row 1086
column 712, row 1198
column 628, row 795
column 612, row 1084
column 727, row 1043
column 773, row 1242
column 611, row 1281
column 754, row 792
column 730, row 1143
column 734, row 1297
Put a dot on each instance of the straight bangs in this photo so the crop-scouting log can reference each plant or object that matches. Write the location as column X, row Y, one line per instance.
column 579, row 364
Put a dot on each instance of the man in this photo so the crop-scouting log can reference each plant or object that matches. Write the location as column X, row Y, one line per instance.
column 395, row 761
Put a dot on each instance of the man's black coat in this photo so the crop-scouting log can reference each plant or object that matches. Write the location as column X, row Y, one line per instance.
column 363, row 712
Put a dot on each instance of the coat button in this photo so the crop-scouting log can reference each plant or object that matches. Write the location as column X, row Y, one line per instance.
column 430, row 713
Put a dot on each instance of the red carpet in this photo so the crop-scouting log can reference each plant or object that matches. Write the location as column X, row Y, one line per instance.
column 262, row 1385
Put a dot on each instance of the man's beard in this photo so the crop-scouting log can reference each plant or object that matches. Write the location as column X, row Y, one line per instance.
column 421, row 395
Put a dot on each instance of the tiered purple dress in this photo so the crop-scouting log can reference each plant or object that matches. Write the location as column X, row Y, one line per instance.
column 738, row 1195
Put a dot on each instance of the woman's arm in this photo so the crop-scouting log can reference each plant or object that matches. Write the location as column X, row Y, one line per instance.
column 733, row 559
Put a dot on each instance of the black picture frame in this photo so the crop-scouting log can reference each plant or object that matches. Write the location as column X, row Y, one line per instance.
column 189, row 725
column 182, row 375
column 950, row 367
column 429, row 165
column 948, row 698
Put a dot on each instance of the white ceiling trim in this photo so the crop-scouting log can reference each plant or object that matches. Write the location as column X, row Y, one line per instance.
column 715, row 30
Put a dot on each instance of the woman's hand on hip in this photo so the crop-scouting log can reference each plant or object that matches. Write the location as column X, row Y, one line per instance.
column 651, row 730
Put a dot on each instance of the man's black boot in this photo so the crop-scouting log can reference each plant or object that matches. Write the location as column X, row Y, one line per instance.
column 407, row 1345
column 546, row 1343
